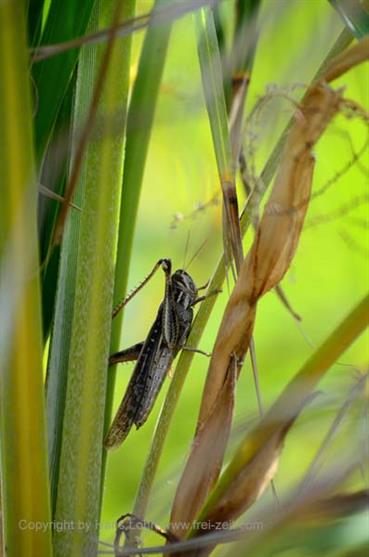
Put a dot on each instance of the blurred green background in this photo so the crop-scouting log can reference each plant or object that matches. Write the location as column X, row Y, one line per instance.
column 329, row 274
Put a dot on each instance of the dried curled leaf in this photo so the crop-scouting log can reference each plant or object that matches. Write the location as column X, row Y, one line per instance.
column 268, row 260
column 209, row 441
column 276, row 238
column 347, row 60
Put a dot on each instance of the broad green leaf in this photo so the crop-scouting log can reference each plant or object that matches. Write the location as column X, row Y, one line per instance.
column 81, row 334
column 139, row 126
column 66, row 19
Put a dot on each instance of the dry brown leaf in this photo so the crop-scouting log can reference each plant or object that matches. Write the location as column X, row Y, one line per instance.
column 268, row 260
column 248, row 482
column 231, row 222
column 209, row 446
column 251, row 481
column 347, row 60
column 276, row 238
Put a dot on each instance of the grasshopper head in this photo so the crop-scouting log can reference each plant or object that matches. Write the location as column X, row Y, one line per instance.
column 184, row 288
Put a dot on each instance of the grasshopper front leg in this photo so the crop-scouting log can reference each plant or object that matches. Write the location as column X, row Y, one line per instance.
column 202, row 298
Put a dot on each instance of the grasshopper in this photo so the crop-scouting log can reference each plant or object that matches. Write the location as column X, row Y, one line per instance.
column 155, row 355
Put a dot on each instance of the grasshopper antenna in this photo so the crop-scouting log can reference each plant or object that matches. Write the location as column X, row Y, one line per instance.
column 196, row 253
column 161, row 263
column 186, row 248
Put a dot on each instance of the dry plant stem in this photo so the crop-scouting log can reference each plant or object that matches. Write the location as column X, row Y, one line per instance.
column 275, row 242
column 132, row 25
column 327, row 508
column 185, row 359
column 278, row 234
column 347, row 60
column 299, row 509
column 267, row 262
column 87, row 128
column 210, row 441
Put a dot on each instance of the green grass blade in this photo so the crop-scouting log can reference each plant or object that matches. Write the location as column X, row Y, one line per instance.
column 139, row 125
column 81, row 335
column 219, row 28
column 66, row 19
column 212, row 80
column 22, row 419
column 34, row 20
column 48, row 208
column 355, row 15
column 242, row 59
column 54, row 85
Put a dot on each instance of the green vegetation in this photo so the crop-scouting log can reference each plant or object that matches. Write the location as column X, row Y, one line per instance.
column 134, row 130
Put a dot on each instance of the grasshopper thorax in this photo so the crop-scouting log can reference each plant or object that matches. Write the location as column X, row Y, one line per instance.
column 184, row 289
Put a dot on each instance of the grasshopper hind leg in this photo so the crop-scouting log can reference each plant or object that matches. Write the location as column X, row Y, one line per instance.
column 128, row 355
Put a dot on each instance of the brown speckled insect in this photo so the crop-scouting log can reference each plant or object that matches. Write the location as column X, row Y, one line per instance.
column 155, row 355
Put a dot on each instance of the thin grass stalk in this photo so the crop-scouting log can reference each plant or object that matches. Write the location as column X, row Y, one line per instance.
column 212, row 80
column 354, row 394
column 24, row 471
column 167, row 15
column 93, row 247
column 140, row 119
column 204, row 312
column 241, row 62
